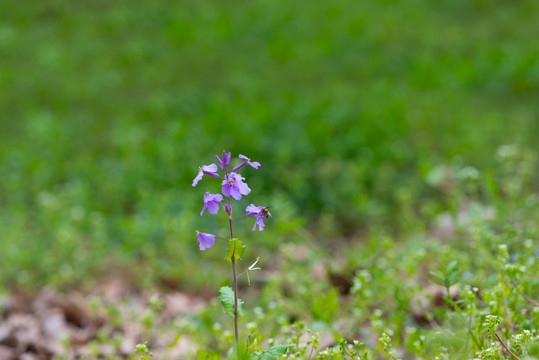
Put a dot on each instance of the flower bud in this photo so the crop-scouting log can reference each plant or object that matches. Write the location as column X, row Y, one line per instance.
column 228, row 208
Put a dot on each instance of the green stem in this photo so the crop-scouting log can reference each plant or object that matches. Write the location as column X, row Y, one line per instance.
column 457, row 311
column 469, row 331
column 235, row 303
column 230, row 221
column 510, row 326
column 312, row 350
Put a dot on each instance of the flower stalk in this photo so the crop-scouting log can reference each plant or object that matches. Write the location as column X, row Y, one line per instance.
column 236, row 334
column 232, row 187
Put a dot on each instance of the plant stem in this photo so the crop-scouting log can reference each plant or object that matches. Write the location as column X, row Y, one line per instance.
column 235, row 302
column 469, row 331
column 505, row 346
column 526, row 297
column 312, row 350
column 508, row 320
column 530, row 300
column 351, row 356
column 230, row 221
column 457, row 311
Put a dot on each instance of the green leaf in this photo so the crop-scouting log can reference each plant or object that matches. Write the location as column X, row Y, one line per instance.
column 448, row 275
column 235, row 249
column 174, row 341
column 272, row 353
column 437, row 275
column 438, row 278
column 226, row 296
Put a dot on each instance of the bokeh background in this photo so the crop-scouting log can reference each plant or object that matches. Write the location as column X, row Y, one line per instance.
column 359, row 112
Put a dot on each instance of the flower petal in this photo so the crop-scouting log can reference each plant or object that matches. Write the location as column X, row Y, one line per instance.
column 226, row 158
column 254, row 164
column 220, row 162
column 215, row 175
column 254, row 209
column 240, row 166
column 198, row 178
column 235, row 192
column 203, row 209
column 243, row 188
column 209, row 168
column 206, row 240
column 225, row 188
column 213, row 207
column 259, row 222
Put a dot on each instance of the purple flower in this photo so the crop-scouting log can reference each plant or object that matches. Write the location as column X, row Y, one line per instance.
column 211, row 202
column 260, row 212
column 226, row 160
column 253, row 210
column 254, row 164
column 206, row 240
column 228, row 208
column 234, row 186
column 205, row 169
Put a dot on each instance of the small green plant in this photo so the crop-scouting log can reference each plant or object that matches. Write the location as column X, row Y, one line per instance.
column 143, row 351
column 385, row 343
column 447, row 276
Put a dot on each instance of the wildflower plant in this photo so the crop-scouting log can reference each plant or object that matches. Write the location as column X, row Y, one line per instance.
column 233, row 187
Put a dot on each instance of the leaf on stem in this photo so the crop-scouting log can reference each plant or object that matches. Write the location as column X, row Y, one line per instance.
column 226, row 296
column 447, row 276
column 235, row 249
column 272, row 353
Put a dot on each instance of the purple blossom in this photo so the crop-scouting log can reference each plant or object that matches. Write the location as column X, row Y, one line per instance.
column 253, row 210
column 234, row 186
column 205, row 169
column 228, row 208
column 206, row 240
column 225, row 161
column 260, row 212
column 254, row 164
column 211, row 202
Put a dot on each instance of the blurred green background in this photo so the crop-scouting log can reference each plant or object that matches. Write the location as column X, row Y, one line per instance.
column 352, row 107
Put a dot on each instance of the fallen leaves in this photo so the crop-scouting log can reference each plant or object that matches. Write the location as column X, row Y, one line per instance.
column 105, row 325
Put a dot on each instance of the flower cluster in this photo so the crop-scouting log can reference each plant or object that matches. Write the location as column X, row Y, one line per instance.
column 232, row 186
